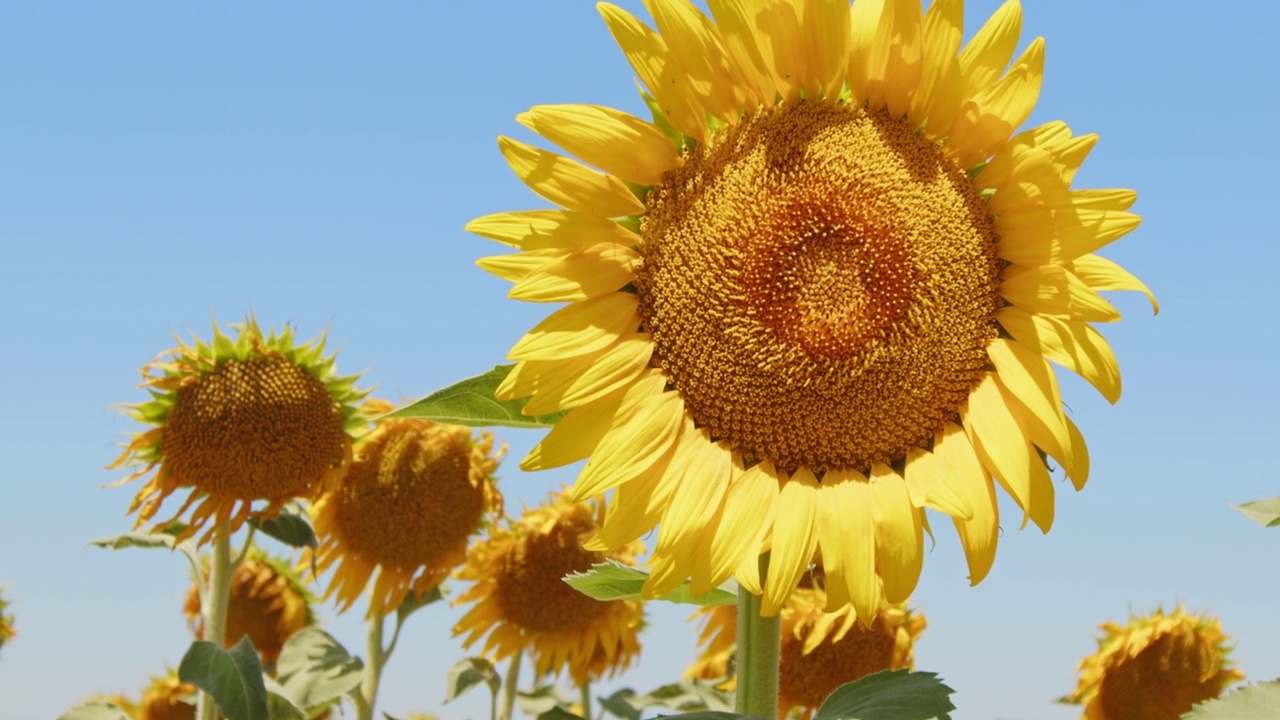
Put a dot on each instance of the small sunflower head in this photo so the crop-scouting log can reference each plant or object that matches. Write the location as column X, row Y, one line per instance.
column 167, row 698
column 257, row 418
column 7, row 632
column 416, row 492
column 1156, row 668
column 521, row 600
column 267, row 602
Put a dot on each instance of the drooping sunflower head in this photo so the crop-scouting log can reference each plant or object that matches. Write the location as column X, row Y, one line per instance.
column 1155, row 668
column 167, row 698
column 405, row 510
column 267, row 601
column 236, row 421
column 818, row 293
column 521, row 602
column 7, row 631
column 820, row 651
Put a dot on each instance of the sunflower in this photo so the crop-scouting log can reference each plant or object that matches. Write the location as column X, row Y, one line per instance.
column 237, row 421
column 521, row 601
column 7, row 632
column 267, row 602
column 1156, row 668
column 820, row 651
column 167, row 698
column 414, row 495
column 818, row 293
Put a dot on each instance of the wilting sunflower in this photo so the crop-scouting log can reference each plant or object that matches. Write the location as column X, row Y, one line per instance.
column 521, row 602
column 816, row 294
column 1156, row 668
column 267, row 602
column 167, row 698
column 820, row 651
column 414, row 495
column 238, row 421
column 7, row 632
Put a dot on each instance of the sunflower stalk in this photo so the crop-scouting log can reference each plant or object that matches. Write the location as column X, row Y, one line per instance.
column 759, row 641
column 244, row 551
column 375, row 659
column 215, row 619
column 509, row 686
column 585, row 687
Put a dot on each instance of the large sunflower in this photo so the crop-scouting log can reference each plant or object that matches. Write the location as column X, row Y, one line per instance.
column 1156, row 668
column 522, row 603
column 257, row 418
column 414, row 495
column 267, row 602
column 816, row 295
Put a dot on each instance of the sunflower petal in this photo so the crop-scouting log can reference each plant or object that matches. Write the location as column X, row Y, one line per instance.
column 980, row 533
column 580, row 328
column 577, row 434
column 554, row 229
column 580, row 274
column 1057, row 234
column 864, row 36
column 1100, row 273
column 1052, row 290
column 620, row 144
column 937, row 98
column 733, row 18
column 896, row 64
column 846, row 534
column 1004, row 449
column 928, row 472
column 988, row 53
column 514, row 267
column 637, row 505
column 569, row 183
column 748, row 573
column 1079, row 451
column 631, row 446
column 988, row 119
column 1076, row 346
column 749, row 508
column 705, row 475
column 826, row 23
column 899, row 536
column 607, row 373
column 1028, row 377
column 794, row 539
column 694, row 45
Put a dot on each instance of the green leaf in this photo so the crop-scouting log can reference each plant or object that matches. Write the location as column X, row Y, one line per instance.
column 94, row 711
column 470, row 402
column 152, row 539
column 280, row 706
column 234, row 678
column 291, row 527
column 611, row 580
column 1251, row 702
column 687, row 695
column 542, row 700
column 890, row 695
column 1264, row 512
column 466, row 674
column 412, row 603
column 314, row 669
column 558, row 713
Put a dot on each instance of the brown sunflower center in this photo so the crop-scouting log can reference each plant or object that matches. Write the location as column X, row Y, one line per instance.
column 410, row 498
column 529, row 588
column 807, row 680
column 261, row 428
column 820, row 286
column 1164, row 680
column 262, row 604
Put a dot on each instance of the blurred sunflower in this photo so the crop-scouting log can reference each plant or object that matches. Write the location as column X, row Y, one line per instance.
column 816, row 294
column 267, row 602
column 414, row 495
column 167, row 698
column 820, row 651
column 1156, row 668
column 237, row 421
column 7, row 632
column 521, row 602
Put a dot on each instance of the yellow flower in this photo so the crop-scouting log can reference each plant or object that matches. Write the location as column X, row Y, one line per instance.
column 7, row 632
column 267, row 601
column 522, row 603
column 1157, row 668
column 820, row 651
column 238, row 421
column 167, row 698
column 416, row 492
column 817, row 295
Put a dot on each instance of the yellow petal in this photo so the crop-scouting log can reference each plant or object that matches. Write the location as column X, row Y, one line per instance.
column 937, row 98
column 749, row 508
column 704, row 480
column 614, row 369
column 1035, row 150
column 1080, row 452
column 748, row 573
column 896, row 63
column 929, row 473
column 864, row 36
column 826, row 23
column 648, row 55
column 847, row 536
column 734, row 19
column 580, row 328
column 618, row 143
column 780, row 36
column 557, row 229
column 580, row 274
column 987, row 120
column 1100, row 273
column 694, row 46
column 980, row 533
column 1076, row 346
column 1056, row 234
column 514, row 267
column 631, row 446
column 988, row 53
column 899, row 535
column 1028, row 377
column 1051, row 290
column 1004, row 449
column 794, row 539
column 577, row 434
column 637, row 505
column 569, row 183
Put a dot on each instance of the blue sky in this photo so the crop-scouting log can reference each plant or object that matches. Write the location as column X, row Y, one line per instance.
column 162, row 163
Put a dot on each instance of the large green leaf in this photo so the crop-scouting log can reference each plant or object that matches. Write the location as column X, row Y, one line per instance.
column 1264, row 512
column 611, row 580
column 153, row 539
column 234, row 678
column 470, row 402
column 690, row 696
column 890, row 695
column 315, row 669
column 280, row 706
column 1252, row 702
column 466, row 674
column 291, row 527
column 94, row 711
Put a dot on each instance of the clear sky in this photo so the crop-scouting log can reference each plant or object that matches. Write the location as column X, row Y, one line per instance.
column 316, row 162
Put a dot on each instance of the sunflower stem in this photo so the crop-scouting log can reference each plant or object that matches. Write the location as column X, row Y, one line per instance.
column 759, row 639
column 375, row 658
column 215, row 609
column 244, row 551
column 509, row 686
column 585, row 687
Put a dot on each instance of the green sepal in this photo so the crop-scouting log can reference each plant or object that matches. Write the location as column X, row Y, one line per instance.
column 471, row 402
column 611, row 580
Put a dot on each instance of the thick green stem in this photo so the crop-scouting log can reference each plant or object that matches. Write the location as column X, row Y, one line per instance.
column 215, row 608
column 586, row 699
column 375, row 658
column 758, row 643
column 509, row 686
